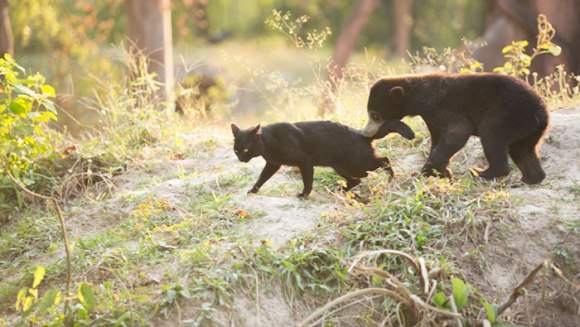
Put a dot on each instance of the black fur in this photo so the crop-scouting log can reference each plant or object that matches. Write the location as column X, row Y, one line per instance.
column 505, row 112
column 316, row 143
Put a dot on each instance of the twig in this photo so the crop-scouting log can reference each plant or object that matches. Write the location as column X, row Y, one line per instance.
column 454, row 309
column 62, row 226
column 517, row 292
column 558, row 272
column 178, row 313
column 424, row 275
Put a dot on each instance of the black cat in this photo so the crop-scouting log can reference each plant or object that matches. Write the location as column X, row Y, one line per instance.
column 316, row 143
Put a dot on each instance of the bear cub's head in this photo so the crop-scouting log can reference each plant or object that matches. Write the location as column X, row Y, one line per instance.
column 386, row 104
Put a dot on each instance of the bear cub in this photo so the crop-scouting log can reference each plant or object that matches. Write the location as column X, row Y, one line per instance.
column 316, row 143
column 509, row 117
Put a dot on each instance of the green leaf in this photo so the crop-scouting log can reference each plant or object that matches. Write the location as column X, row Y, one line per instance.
column 48, row 91
column 48, row 300
column 87, row 297
column 491, row 310
column 460, row 293
column 50, row 106
column 27, row 303
column 439, row 300
column 20, row 299
column 17, row 107
column 38, row 276
column 555, row 50
column 507, row 48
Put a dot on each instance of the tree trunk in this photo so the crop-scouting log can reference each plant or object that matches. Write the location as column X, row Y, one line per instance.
column 343, row 49
column 347, row 39
column 6, row 37
column 149, row 29
column 403, row 21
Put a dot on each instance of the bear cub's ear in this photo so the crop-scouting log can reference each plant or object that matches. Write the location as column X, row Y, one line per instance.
column 397, row 91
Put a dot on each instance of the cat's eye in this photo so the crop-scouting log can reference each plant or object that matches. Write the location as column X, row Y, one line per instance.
column 246, row 150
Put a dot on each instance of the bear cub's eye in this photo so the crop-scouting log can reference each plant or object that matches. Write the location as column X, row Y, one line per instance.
column 375, row 116
column 246, row 150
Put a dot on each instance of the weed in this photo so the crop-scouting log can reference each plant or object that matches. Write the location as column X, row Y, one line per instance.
column 293, row 29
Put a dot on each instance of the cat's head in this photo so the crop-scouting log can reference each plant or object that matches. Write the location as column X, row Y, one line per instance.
column 248, row 142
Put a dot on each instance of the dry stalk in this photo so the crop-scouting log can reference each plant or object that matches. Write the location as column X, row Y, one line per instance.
column 378, row 252
column 399, row 292
column 517, row 292
column 349, row 296
column 54, row 201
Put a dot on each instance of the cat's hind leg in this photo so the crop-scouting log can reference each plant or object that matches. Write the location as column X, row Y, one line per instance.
column 307, row 171
column 269, row 170
column 350, row 181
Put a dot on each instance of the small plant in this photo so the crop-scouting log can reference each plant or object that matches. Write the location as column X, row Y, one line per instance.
column 518, row 62
column 25, row 110
column 32, row 307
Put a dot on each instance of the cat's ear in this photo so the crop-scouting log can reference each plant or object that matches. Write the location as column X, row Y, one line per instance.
column 235, row 130
column 257, row 130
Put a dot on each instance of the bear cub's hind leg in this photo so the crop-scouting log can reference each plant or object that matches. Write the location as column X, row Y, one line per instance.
column 496, row 153
column 525, row 157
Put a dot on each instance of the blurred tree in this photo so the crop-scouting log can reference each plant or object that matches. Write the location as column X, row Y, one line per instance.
column 402, row 10
column 200, row 17
column 441, row 24
column 149, row 29
column 6, row 38
column 346, row 41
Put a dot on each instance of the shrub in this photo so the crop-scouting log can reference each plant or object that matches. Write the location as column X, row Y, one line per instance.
column 25, row 111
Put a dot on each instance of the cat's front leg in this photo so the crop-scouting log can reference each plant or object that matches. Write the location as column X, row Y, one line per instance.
column 307, row 172
column 269, row 170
